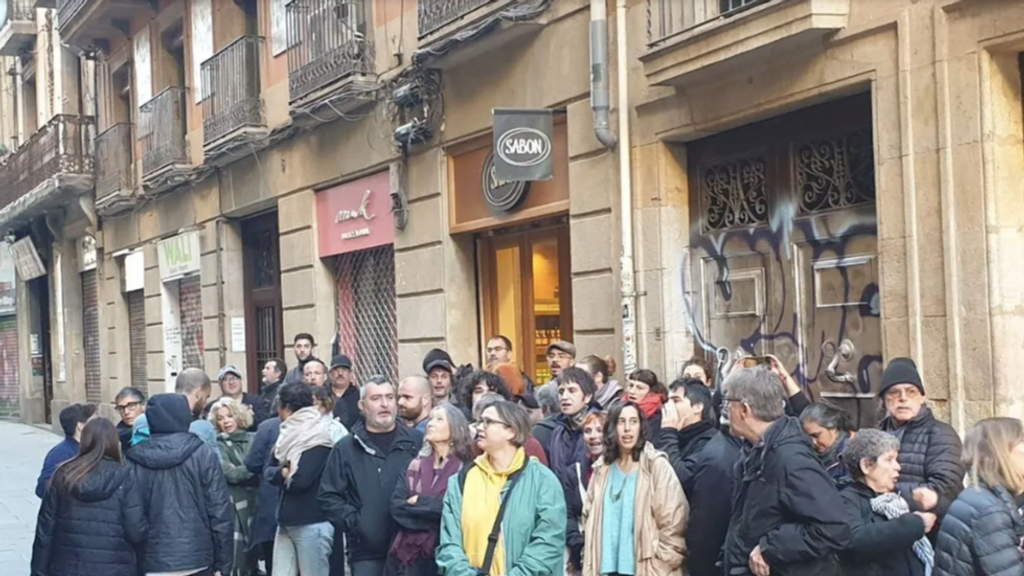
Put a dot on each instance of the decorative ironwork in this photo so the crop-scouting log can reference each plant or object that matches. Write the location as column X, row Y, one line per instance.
column 19, row 11
column 367, row 325
column 264, row 260
column 835, row 173
column 66, row 12
column 733, row 194
column 667, row 18
column 231, row 88
column 162, row 130
column 434, row 14
column 327, row 41
column 267, row 346
column 63, row 146
column 114, row 160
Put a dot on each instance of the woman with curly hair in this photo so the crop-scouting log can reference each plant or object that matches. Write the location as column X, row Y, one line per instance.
column 231, row 419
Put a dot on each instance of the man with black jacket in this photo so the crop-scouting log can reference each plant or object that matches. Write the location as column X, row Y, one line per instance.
column 704, row 459
column 787, row 516
column 346, row 393
column 361, row 473
column 184, row 495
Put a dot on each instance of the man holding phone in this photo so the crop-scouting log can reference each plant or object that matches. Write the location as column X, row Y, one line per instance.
column 796, row 399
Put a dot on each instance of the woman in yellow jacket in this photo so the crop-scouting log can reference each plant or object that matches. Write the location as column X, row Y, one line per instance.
column 635, row 513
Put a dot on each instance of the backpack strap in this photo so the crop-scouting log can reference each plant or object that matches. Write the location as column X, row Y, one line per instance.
column 492, row 538
column 462, row 475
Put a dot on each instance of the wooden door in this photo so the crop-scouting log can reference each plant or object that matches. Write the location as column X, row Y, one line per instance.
column 264, row 338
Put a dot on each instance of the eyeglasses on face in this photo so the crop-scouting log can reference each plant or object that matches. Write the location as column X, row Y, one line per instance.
column 485, row 422
column 911, row 393
column 122, row 408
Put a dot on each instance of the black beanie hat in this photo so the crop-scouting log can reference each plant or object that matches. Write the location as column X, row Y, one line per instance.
column 168, row 413
column 900, row 371
column 435, row 358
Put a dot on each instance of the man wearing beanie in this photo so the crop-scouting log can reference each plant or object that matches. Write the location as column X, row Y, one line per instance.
column 184, row 494
column 931, row 473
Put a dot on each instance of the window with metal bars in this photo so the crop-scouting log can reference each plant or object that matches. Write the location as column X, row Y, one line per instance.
column 137, row 339
column 367, row 328
column 190, row 309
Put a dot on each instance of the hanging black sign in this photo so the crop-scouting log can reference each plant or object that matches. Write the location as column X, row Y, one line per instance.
column 501, row 195
column 523, row 140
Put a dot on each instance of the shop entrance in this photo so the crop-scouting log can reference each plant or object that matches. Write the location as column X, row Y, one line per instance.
column 526, row 291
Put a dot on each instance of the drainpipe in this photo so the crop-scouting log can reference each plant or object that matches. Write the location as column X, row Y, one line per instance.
column 630, row 327
column 600, row 98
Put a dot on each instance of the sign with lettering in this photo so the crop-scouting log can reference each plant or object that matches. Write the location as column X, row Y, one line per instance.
column 355, row 215
column 522, row 144
column 26, row 259
column 178, row 256
column 85, row 248
column 8, row 288
column 501, row 195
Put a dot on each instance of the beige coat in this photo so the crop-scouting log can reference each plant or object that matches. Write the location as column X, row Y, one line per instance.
column 661, row 511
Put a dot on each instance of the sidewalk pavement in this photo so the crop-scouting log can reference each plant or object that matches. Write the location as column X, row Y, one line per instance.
column 22, row 449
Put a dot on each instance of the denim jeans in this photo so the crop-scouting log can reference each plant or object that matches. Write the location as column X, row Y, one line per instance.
column 304, row 550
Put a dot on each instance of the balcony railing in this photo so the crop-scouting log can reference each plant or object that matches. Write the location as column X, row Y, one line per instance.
column 64, row 146
column 162, row 130
column 327, row 41
column 20, row 11
column 434, row 14
column 231, row 88
column 114, row 170
column 667, row 18
column 66, row 11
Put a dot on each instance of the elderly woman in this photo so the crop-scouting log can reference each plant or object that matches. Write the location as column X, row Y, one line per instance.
column 646, row 391
column 231, row 419
column 509, row 495
column 981, row 534
column 830, row 428
column 418, row 500
column 931, row 472
column 575, row 483
column 635, row 512
column 887, row 539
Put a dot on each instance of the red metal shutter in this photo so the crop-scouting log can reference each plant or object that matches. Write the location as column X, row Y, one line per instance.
column 91, row 336
column 191, row 309
column 367, row 326
column 137, row 339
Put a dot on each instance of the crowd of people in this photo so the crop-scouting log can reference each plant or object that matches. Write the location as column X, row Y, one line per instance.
column 465, row 472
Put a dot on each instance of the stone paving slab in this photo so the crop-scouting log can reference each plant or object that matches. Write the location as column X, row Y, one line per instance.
column 22, row 449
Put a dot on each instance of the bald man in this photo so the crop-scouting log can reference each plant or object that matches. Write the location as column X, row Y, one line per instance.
column 415, row 401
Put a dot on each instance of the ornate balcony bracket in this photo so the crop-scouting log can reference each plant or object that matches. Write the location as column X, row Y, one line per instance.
column 446, row 24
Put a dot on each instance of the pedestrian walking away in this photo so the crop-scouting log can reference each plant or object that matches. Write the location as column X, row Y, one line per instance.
column 91, row 520
column 72, row 420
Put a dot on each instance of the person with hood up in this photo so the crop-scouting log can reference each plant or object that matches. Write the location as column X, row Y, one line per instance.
column 575, row 486
column 305, row 537
column 601, row 369
column 830, row 428
column 505, row 514
column 184, row 495
column 361, row 473
column 231, row 420
column 982, row 532
column 787, row 516
column 635, row 512
column 91, row 519
column 931, row 472
column 703, row 458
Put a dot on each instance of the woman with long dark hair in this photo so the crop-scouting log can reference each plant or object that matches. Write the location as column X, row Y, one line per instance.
column 91, row 520
column 635, row 514
column 418, row 500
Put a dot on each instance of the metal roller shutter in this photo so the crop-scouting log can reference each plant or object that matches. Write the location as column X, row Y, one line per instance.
column 91, row 336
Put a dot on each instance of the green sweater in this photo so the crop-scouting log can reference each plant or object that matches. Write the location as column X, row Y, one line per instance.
column 533, row 529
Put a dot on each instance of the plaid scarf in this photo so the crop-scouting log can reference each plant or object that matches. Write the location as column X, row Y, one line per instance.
column 892, row 506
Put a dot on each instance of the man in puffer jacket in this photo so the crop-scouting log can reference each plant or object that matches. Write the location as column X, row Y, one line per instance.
column 931, row 473
column 184, row 494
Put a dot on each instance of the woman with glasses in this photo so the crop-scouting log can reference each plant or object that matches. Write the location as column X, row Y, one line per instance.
column 981, row 534
column 635, row 513
column 514, row 522
column 231, row 419
column 931, row 472
column 130, row 403
column 419, row 498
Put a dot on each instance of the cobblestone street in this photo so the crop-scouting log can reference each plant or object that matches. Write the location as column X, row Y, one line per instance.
column 22, row 449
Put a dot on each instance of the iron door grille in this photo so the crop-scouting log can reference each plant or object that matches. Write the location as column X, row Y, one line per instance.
column 190, row 308
column 137, row 339
column 367, row 326
column 91, row 336
column 9, row 407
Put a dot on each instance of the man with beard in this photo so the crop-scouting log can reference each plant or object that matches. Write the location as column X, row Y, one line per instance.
column 303, row 345
column 231, row 385
column 499, row 351
column 415, row 402
column 375, row 455
column 346, row 393
column 273, row 376
column 561, row 356
column 440, row 370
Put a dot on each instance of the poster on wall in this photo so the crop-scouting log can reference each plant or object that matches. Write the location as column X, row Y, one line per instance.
column 26, row 259
column 523, row 144
column 8, row 289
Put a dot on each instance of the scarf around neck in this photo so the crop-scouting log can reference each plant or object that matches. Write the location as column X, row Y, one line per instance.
column 651, row 405
column 424, row 480
column 302, row 431
column 892, row 506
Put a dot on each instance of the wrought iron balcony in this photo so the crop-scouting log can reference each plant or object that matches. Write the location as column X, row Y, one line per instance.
column 61, row 150
column 231, row 89
column 432, row 15
column 667, row 18
column 17, row 26
column 114, row 169
column 162, row 132
column 327, row 42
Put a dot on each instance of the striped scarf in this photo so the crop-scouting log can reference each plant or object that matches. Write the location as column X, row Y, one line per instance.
column 892, row 506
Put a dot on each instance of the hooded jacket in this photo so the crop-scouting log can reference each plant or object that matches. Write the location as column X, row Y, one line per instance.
column 184, row 493
column 93, row 529
column 357, row 484
column 660, row 512
column 929, row 457
column 785, row 503
column 980, row 536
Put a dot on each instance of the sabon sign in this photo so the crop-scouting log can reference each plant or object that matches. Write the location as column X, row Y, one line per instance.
column 524, row 147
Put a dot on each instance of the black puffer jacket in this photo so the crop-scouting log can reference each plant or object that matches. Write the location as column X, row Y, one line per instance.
column 929, row 457
column 980, row 536
column 93, row 529
column 785, row 503
column 187, row 502
column 879, row 546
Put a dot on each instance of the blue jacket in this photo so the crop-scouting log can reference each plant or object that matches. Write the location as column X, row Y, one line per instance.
column 59, row 454
column 268, row 497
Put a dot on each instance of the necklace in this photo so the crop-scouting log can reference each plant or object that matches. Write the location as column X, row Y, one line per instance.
column 617, row 491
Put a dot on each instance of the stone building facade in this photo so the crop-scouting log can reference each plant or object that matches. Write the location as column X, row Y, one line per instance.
column 835, row 182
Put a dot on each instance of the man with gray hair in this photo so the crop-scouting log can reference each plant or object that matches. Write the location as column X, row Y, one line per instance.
column 787, row 516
